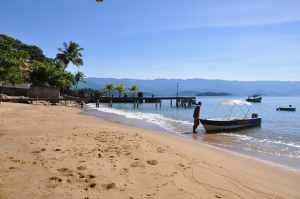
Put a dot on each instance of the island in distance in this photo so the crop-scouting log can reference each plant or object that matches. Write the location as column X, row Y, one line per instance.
column 205, row 93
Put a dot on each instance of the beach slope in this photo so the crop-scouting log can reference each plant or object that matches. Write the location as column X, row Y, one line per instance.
column 55, row 152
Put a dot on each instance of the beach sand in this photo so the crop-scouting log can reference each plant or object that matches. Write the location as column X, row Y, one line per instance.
column 55, row 152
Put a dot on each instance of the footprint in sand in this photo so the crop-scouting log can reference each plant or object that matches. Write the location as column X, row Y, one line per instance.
column 81, row 168
column 36, row 152
column 65, row 171
column 54, row 181
column 92, row 185
column 109, row 186
column 218, row 196
column 127, row 153
column 81, row 175
column 181, row 165
column 160, row 150
column 148, row 196
column 91, row 176
column 152, row 162
column 137, row 164
column 125, row 170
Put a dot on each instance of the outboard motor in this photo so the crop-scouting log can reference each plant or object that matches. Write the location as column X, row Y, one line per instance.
column 254, row 115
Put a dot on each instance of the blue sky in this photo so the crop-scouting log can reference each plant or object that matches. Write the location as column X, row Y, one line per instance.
column 146, row 39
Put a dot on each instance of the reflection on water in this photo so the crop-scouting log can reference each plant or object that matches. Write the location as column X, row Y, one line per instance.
column 278, row 139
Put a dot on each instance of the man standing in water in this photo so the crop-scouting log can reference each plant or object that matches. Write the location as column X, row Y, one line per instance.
column 196, row 116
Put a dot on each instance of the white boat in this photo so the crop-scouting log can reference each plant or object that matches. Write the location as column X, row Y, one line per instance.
column 212, row 125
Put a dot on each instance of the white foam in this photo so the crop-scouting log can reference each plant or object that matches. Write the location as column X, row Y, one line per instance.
column 160, row 120
column 268, row 141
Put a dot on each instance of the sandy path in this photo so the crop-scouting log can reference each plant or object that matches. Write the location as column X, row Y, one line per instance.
column 54, row 152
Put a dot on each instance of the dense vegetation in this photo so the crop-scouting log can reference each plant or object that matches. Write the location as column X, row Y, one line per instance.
column 22, row 63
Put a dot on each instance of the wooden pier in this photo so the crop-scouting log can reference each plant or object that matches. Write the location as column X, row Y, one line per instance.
column 180, row 101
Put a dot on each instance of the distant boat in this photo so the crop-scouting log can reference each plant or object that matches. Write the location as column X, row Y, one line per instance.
column 289, row 108
column 230, row 124
column 254, row 99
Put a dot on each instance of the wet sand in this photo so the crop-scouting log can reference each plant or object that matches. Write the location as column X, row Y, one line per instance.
column 55, row 152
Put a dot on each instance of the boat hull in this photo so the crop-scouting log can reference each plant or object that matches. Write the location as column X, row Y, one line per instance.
column 286, row 109
column 213, row 126
column 254, row 100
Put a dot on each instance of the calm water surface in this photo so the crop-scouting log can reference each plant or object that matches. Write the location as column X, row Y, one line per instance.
column 277, row 140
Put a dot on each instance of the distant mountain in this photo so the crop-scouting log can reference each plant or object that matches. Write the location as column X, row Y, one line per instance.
column 196, row 93
column 196, row 86
column 213, row 94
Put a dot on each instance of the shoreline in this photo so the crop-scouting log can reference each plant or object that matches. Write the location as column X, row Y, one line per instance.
column 154, row 128
column 183, row 138
column 223, row 150
column 50, row 146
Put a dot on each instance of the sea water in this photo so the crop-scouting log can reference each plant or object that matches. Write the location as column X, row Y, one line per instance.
column 277, row 140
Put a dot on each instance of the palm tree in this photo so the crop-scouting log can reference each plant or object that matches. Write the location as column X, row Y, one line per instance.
column 78, row 77
column 134, row 89
column 109, row 89
column 71, row 52
column 120, row 88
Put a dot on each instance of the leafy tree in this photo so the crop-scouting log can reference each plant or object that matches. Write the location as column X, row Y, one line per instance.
column 11, row 44
column 120, row 88
column 43, row 74
column 78, row 77
column 109, row 88
column 10, row 66
column 66, row 81
column 22, row 63
column 35, row 53
column 47, row 74
column 71, row 52
column 134, row 89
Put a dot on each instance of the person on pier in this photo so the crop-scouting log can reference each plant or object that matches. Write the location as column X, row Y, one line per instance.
column 196, row 116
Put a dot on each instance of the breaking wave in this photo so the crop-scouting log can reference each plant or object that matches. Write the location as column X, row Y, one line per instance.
column 263, row 141
column 166, row 123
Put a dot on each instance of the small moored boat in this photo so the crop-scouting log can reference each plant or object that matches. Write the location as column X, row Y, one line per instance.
column 212, row 125
column 289, row 108
column 254, row 99
column 229, row 124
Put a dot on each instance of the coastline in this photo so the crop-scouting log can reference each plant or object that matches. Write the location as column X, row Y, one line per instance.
column 151, row 128
column 53, row 152
column 141, row 121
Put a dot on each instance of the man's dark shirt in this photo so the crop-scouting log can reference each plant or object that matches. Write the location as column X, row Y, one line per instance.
column 196, row 112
